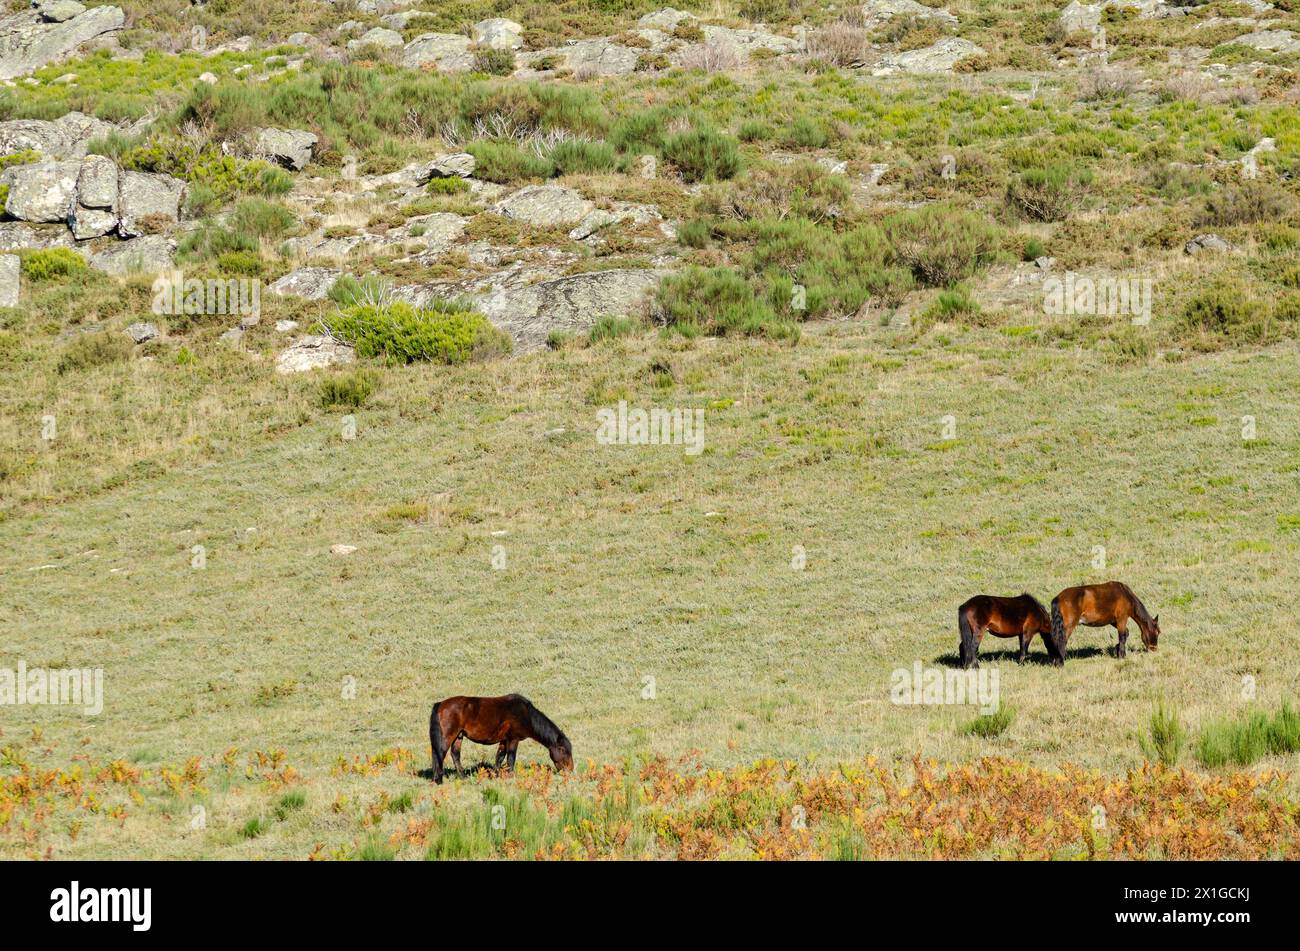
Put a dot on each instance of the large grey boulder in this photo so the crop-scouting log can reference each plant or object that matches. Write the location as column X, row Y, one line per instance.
column 379, row 36
column 41, row 192
column 546, row 206
column 29, row 41
column 456, row 165
column 939, row 58
column 665, row 20
column 145, row 195
column 1270, row 41
column 571, row 303
column 21, row 236
column 309, row 283
column 151, row 254
column 312, row 353
column 876, row 12
column 94, row 212
column 593, row 57
column 498, row 33
column 63, row 138
column 1080, row 17
column 291, row 148
column 447, row 51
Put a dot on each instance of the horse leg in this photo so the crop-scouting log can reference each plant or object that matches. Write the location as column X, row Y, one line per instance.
column 512, row 750
column 1121, row 649
column 455, row 753
column 1024, row 647
column 501, row 756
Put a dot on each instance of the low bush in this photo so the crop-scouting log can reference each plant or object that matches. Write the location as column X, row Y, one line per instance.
column 49, row 263
column 349, row 390
column 506, row 163
column 703, row 155
column 1245, row 203
column 581, row 157
column 1049, row 193
column 94, row 349
column 400, row 333
column 1248, row 739
column 941, row 244
column 718, row 301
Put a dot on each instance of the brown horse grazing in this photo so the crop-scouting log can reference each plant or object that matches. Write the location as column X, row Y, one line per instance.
column 1021, row 617
column 504, row 720
column 1096, row 605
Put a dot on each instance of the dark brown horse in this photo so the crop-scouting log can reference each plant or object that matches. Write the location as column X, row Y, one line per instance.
column 1021, row 617
column 1096, row 605
column 504, row 720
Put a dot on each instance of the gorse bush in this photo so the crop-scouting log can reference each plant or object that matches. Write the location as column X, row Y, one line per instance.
column 400, row 333
column 718, row 301
column 1049, row 193
column 505, row 162
column 1245, row 203
column 990, row 725
column 349, row 390
column 495, row 62
column 703, row 155
column 941, row 244
column 579, row 157
column 50, row 263
column 94, row 349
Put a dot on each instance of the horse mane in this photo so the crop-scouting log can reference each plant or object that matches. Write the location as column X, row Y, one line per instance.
column 1140, row 610
column 546, row 732
column 1034, row 601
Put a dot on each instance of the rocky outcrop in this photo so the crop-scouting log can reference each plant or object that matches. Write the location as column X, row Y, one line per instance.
column 30, row 39
column 572, row 303
column 313, row 352
column 1270, row 41
column 379, row 36
column 939, row 58
column 151, row 254
column 546, row 206
column 456, row 165
column 291, row 148
column 63, row 138
column 41, row 192
column 445, row 51
column 498, row 34
column 877, row 12
column 147, row 202
column 310, row 283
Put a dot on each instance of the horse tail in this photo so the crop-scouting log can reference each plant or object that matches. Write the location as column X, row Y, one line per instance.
column 1058, row 630
column 967, row 630
column 437, row 742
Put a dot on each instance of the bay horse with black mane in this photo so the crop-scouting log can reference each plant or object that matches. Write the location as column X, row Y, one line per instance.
column 1096, row 605
column 1021, row 617
column 506, row 721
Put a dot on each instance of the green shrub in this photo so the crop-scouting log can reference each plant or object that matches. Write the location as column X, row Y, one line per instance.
column 23, row 157
column 806, row 132
column 49, row 263
column 494, row 62
column 1032, row 250
column 1165, row 738
column 348, row 389
column 1049, row 193
column 801, row 190
column 990, row 725
column 1247, row 740
column 400, row 333
column 452, row 185
column 719, row 301
column 94, row 349
column 580, row 157
column 1245, row 203
column 1226, row 308
column 941, row 244
column 505, row 163
column 953, row 305
column 611, row 327
column 703, row 155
